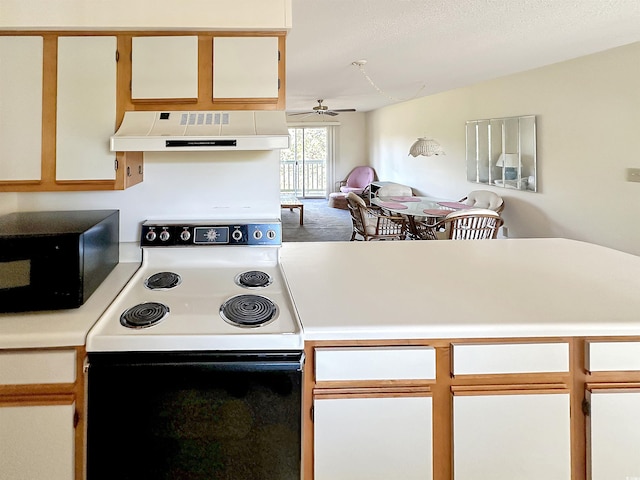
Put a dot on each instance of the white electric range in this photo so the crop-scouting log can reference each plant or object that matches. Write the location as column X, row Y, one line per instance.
column 205, row 285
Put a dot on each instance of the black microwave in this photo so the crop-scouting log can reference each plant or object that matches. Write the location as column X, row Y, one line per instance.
column 55, row 260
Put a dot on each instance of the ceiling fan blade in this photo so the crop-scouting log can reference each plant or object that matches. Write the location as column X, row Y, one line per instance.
column 300, row 113
column 343, row 109
column 330, row 112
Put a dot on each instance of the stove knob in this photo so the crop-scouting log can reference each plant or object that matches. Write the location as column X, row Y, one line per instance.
column 237, row 235
column 257, row 234
column 164, row 235
column 271, row 234
column 185, row 235
column 150, row 236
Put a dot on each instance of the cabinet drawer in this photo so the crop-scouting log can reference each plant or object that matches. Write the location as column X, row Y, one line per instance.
column 612, row 356
column 375, row 363
column 510, row 358
column 22, row 368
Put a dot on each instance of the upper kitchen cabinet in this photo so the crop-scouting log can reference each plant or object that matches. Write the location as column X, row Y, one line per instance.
column 58, row 107
column 204, row 71
column 164, row 68
column 86, row 108
column 21, row 109
column 245, row 68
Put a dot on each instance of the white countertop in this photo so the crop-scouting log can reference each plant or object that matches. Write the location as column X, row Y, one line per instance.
column 63, row 328
column 462, row 289
column 414, row 289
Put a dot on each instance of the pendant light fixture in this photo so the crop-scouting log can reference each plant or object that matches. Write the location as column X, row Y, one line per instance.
column 425, row 146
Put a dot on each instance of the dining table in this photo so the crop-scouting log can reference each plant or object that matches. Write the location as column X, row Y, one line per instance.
column 420, row 212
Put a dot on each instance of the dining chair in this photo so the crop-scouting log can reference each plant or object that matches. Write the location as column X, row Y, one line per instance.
column 373, row 224
column 469, row 224
column 484, row 199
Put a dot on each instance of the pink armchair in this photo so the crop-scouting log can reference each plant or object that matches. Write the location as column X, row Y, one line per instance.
column 358, row 180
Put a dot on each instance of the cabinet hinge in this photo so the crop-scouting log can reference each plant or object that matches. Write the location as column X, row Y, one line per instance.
column 115, row 164
column 117, row 56
column 278, row 55
column 312, row 414
column 278, row 84
column 586, row 407
column 76, row 419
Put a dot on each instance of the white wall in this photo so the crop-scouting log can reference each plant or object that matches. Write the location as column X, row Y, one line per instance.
column 351, row 143
column 194, row 185
column 588, row 118
column 8, row 203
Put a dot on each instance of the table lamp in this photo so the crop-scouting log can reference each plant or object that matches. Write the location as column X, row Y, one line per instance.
column 510, row 162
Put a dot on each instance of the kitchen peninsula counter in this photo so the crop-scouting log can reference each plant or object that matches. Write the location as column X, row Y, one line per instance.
column 63, row 328
column 462, row 289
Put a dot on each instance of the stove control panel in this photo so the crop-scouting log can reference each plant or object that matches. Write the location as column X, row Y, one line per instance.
column 197, row 234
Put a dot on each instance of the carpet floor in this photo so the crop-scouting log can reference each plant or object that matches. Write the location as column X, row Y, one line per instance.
column 321, row 223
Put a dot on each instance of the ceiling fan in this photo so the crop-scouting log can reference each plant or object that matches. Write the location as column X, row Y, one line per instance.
column 321, row 109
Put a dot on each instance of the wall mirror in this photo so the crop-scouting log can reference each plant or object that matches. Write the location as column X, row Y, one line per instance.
column 502, row 152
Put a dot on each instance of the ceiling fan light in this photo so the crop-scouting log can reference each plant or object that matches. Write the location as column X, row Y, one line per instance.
column 425, row 146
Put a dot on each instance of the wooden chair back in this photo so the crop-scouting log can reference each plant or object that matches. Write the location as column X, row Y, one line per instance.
column 373, row 224
column 472, row 224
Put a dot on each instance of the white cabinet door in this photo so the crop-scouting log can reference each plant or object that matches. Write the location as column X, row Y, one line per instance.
column 86, row 108
column 245, row 67
column 37, row 442
column 164, row 67
column 20, row 108
column 615, row 435
column 504, row 437
column 373, row 438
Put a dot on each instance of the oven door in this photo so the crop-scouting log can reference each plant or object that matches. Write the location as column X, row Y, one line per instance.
column 197, row 415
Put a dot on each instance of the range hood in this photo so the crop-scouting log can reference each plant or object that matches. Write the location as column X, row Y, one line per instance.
column 201, row 131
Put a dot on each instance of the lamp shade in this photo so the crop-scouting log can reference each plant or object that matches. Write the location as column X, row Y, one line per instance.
column 510, row 160
column 426, row 147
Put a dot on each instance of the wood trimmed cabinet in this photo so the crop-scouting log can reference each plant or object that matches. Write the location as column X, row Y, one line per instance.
column 494, row 408
column 505, row 425
column 41, row 414
column 612, row 398
column 58, row 105
column 372, row 412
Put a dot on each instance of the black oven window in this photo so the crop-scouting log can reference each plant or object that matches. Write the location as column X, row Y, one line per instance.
column 186, row 423
column 15, row 274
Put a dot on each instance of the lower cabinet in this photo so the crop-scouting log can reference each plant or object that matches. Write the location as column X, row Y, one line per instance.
column 371, row 414
column 37, row 442
column 615, row 435
column 612, row 397
column 444, row 410
column 41, row 414
column 373, row 438
column 502, row 437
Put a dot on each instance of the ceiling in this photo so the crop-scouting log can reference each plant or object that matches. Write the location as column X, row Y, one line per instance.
column 415, row 48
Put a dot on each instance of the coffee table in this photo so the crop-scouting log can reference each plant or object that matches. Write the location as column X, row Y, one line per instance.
column 290, row 201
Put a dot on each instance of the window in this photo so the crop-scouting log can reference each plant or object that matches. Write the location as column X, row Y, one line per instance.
column 306, row 165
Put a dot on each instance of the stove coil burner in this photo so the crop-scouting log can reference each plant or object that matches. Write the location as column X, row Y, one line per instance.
column 248, row 311
column 144, row 315
column 163, row 281
column 253, row 279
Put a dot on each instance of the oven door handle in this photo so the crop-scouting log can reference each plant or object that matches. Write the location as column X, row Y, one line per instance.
column 288, row 362
column 246, row 366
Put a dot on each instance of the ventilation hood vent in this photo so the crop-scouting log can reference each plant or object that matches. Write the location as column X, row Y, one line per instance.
column 201, row 131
